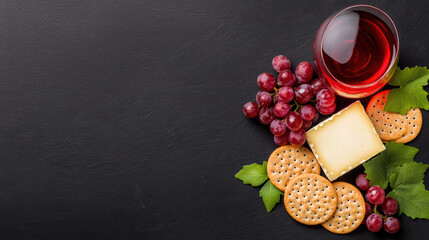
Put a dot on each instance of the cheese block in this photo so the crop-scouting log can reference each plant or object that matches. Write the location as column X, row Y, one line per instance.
column 344, row 141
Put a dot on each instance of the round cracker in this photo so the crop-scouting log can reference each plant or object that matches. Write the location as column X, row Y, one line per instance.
column 310, row 199
column 414, row 120
column 389, row 126
column 287, row 162
column 350, row 210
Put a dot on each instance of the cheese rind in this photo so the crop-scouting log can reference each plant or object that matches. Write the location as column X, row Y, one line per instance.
column 344, row 141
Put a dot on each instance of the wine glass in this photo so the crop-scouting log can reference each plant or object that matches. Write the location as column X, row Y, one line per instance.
column 356, row 51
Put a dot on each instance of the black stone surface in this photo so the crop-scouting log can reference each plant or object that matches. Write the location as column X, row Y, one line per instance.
column 122, row 119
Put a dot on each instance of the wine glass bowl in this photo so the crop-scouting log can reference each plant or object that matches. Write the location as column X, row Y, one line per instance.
column 356, row 51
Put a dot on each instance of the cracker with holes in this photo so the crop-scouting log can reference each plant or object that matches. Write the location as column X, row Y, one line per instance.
column 287, row 162
column 310, row 199
column 350, row 210
column 414, row 120
column 393, row 126
column 389, row 126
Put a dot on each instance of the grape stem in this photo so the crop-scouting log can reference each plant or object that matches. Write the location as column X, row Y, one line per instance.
column 374, row 210
column 274, row 94
column 276, row 91
column 296, row 105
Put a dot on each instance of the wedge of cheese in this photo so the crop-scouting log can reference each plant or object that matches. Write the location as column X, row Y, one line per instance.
column 344, row 141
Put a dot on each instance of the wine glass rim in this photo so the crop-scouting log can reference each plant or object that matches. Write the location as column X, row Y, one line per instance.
column 361, row 6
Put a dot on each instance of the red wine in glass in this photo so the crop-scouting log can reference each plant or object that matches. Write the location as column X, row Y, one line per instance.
column 356, row 51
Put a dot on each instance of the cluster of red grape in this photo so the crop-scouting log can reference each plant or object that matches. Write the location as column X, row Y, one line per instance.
column 286, row 103
column 375, row 195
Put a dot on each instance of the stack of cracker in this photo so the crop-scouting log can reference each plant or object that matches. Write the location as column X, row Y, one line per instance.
column 310, row 198
column 393, row 126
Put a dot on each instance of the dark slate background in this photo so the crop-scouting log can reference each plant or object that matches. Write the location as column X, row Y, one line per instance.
column 122, row 119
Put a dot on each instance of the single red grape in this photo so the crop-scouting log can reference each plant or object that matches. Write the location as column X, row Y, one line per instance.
column 251, row 109
column 266, row 115
column 368, row 209
column 306, row 124
column 316, row 85
column 326, row 110
column 286, row 94
column 375, row 195
column 303, row 94
column 266, row 82
column 389, row 206
column 283, row 139
column 304, row 72
column 277, row 127
column 297, row 138
column 263, row 98
column 316, row 117
column 362, row 183
column 374, row 222
column 325, row 98
column 391, row 225
column 281, row 109
column 281, row 63
column 286, row 78
column 307, row 112
column 293, row 121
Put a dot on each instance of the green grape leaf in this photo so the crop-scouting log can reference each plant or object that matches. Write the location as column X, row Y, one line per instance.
column 254, row 174
column 408, row 189
column 270, row 195
column 410, row 93
column 380, row 168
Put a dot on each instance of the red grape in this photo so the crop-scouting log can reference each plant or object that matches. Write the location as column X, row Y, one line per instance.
column 326, row 110
column 293, row 121
column 389, row 206
column 316, row 117
column 282, row 140
column 266, row 82
column 375, row 195
column 303, row 94
column 362, row 183
column 263, row 98
column 325, row 98
column 391, row 225
column 316, row 85
column 286, row 94
column 306, row 124
column 281, row 63
column 266, row 115
column 297, row 138
column 304, row 72
column 251, row 109
column 368, row 209
column 307, row 112
column 277, row 127
column 281, row 109
column 374, row 222
column 286, row 78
